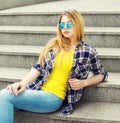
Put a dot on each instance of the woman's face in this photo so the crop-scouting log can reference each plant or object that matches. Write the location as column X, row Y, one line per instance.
column 67, row 27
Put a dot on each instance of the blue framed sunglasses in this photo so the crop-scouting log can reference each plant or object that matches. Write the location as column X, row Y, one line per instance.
column 68, row 25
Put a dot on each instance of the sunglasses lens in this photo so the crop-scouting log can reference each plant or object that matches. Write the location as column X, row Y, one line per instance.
column 69, row 25
column 61, row 25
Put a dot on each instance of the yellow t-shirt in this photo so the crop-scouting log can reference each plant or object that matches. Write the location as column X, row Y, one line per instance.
column 57, row 81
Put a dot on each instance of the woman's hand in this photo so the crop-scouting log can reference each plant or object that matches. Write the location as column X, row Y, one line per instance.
column 16, row 88
column 76, row 84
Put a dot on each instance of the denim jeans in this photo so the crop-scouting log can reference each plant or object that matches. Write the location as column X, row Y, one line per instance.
column 30, row 100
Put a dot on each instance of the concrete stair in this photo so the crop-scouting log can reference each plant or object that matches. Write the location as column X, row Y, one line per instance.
column 85, row 112
column 16, row 3
column 24, row 32
column 35, row 16
column 47, row 13
column 39, row 35
column 25, row 56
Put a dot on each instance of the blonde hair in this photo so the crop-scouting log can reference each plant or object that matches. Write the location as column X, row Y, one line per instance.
column 60, row 42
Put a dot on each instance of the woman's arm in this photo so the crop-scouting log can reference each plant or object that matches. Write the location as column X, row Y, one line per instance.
column 19, row 87
column 98, row 71
column 30, row 77
column 77, row 84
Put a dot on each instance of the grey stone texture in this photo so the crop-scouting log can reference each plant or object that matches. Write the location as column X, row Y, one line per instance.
column 6, row 4
column 24, row 31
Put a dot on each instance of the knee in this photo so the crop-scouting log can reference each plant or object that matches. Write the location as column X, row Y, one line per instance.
column 5, row 95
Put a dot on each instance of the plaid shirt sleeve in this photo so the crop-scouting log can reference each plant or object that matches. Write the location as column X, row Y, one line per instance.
column 96, row 66
column 37, row 67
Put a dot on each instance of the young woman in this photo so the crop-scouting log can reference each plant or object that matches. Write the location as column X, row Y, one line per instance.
column 60, row 73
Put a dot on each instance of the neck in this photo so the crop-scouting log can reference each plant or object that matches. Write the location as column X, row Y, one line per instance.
column 74, row 43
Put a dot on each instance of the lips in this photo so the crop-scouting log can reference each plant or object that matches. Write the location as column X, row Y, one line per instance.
column 65, row 32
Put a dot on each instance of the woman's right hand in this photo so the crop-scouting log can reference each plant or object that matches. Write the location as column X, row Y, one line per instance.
column 16, row 88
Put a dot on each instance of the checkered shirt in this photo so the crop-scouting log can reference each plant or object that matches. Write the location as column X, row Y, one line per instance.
column 85, row 60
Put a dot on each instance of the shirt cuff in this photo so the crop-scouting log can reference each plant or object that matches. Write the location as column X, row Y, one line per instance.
column 37, row 67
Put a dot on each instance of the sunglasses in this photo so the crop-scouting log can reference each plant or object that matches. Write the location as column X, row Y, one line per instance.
column 68, row 25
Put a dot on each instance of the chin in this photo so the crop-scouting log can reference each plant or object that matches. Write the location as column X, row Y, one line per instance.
column 66, row 36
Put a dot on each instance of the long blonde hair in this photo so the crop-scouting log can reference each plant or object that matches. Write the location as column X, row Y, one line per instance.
column 60, row 42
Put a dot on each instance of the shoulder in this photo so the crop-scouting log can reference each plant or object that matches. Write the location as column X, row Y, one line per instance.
column 51, row 54
column 87, row 48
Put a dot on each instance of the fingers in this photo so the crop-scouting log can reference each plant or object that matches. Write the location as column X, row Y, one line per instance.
column 72, row 83
column 71, row 80
column 21, row 89
column 75, row 84
column 13, row 88
column 9, row 88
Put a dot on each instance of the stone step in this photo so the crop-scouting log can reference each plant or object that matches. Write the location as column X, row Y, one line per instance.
column 39, row 35
column 103, row 92
column 85, row 112
column 19, row 56
column 106, row 14
column 50, row 19
column 26, row 56
column 10, row 75
column 12, row 4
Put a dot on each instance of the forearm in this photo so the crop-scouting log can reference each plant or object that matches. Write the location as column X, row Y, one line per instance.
column 93, row 80
column 30, row 77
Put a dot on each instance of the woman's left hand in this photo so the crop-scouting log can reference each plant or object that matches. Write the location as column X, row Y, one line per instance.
column 76, row 84
column 16, row 88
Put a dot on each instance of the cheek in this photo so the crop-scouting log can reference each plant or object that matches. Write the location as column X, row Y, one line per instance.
column 71, row 33
column 62, row 31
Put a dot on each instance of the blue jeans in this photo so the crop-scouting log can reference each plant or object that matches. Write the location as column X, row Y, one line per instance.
column 30, row 100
